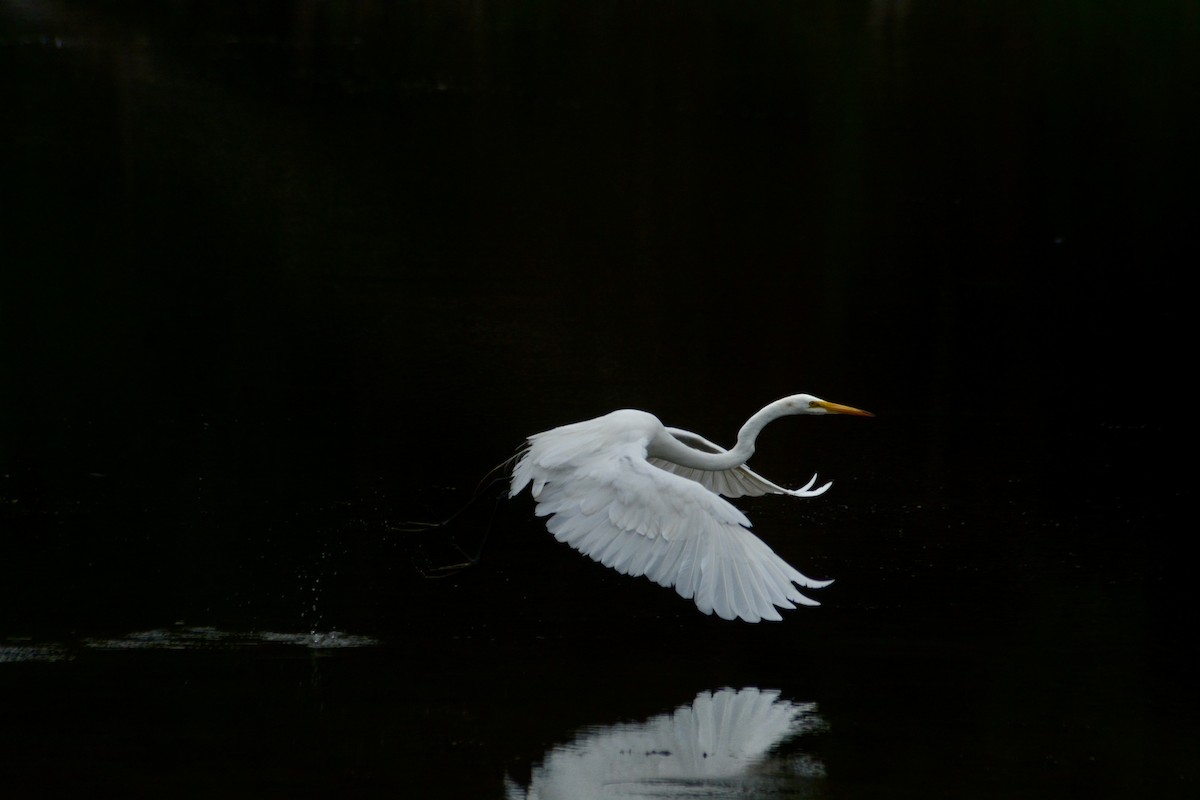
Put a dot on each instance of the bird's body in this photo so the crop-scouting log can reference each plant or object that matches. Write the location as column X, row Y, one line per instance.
column 644, row 499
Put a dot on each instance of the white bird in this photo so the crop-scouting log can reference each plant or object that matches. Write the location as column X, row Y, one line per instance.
column 644, row 499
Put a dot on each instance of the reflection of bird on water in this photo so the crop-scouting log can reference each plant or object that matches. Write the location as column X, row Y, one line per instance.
column 715, row 747
column 643, row 499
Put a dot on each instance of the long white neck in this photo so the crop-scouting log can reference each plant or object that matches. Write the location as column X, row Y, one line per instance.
column 667, row 447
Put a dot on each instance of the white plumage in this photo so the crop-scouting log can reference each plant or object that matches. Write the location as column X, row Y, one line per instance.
column 644, row 499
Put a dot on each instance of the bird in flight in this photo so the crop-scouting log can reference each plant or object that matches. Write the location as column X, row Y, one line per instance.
column 645, row 499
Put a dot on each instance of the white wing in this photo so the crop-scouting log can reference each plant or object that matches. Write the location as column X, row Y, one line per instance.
column 737, row 482
column 609, row 503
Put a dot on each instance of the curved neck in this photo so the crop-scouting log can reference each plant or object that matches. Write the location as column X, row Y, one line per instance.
column 671, row 449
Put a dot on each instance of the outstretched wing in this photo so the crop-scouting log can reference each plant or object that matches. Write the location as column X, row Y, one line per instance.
column 737, row 482
column 612, row 505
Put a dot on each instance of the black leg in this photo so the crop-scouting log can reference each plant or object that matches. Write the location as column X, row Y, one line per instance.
column 494, row 490
column 469, row 559
column 420, row 527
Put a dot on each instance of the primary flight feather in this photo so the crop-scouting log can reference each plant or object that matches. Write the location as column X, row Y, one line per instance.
column 645, row 499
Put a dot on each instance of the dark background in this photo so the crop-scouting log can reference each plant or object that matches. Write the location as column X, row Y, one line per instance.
column 277, row 276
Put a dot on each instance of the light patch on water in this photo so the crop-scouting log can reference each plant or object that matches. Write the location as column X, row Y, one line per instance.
column 204, row 638
column 16, row 650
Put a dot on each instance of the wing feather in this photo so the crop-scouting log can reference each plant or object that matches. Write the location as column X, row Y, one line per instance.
column 611, row 503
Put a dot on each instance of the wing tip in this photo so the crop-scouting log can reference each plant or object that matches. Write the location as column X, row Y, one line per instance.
column 807, row 491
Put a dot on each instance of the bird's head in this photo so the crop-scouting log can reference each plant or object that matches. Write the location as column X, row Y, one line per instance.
column 807, row 404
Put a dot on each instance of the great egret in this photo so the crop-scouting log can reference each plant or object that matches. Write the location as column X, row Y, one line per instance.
column 644, row 499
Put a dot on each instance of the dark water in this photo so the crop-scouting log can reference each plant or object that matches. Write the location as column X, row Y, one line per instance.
column 277, row 277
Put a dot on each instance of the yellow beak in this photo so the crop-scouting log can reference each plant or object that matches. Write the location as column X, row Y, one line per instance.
column 838, row 408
